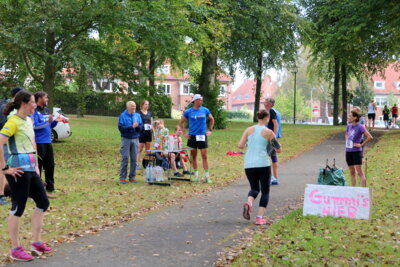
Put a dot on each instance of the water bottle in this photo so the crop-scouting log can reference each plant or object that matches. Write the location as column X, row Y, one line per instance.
column 148, row 173
column 152, row 174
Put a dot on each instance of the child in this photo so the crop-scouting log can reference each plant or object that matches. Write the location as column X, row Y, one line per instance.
column 161, row 134
column 182, row 157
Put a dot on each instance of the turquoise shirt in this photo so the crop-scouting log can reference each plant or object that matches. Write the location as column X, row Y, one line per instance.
column 256, row 154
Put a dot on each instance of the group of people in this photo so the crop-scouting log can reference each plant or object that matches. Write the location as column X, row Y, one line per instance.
column 26, row 149
column 137, row 130
column 372, row 108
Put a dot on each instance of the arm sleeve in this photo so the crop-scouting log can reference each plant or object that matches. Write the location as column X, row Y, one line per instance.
column 186, row 114
column 122, row 128
column 37, row 124
column 54, row 123
column 9, row 129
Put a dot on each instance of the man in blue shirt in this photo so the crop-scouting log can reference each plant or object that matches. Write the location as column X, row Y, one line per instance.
column 129, row 125
column 198, row 133
column 43, row 122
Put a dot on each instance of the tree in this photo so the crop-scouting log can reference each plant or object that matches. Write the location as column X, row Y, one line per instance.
column 362, row 95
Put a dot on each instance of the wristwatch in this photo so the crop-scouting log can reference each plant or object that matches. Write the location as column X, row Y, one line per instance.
column 5, row 168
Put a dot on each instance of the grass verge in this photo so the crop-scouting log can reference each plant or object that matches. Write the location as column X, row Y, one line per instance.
column 314, row 241
column 91, row 198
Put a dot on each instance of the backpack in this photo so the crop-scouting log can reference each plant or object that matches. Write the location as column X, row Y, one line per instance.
column 3, row 118
column 278, row 119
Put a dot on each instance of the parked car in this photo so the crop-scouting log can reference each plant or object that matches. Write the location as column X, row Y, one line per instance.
column 62, row 130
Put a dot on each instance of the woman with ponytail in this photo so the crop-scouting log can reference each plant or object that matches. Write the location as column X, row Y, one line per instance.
column 22, row 174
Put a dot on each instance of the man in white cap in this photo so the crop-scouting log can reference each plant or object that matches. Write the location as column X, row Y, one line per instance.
column 198, row 133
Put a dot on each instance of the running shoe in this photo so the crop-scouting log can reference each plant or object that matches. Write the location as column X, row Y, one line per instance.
column 247, row 207
column 195, row 179
column 122, row 181
column 39, row 248
column 274, row 181
column 137, row 167
column 177, row 174
column 188, row 172
column 3, row 200
column 132, row 180
column 208, row 181
column 261, row 221
column 19, row 254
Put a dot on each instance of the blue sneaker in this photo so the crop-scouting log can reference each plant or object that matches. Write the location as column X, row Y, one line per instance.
column 274, row 181
column 3, row 200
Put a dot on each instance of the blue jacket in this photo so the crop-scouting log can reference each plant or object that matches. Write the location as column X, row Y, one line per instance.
column 42, row 126
column 125, row 123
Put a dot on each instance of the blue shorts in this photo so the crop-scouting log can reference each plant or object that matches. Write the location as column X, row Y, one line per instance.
column 274, row 157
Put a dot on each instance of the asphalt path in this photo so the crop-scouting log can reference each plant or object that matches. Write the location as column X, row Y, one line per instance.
column 193, row 232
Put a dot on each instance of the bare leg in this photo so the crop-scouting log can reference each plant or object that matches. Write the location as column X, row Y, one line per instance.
column 204, row 158
column 172, row 161
column 353, row 175
column 261, row 211
column 13, row 229
column 194, row 158
column 361, row 175
column 275, row 169
column 37, row 223
column 2, row 183
column 141, row 146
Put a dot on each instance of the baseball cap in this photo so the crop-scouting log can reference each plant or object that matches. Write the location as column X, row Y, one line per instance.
column 196, row 97
column 15, row 90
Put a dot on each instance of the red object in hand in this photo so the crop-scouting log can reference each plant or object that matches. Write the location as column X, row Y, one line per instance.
column 230, row 153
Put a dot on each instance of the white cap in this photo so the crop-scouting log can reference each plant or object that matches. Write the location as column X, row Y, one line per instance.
column 196, row 97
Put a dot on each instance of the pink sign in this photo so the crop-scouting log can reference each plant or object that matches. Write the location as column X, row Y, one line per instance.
column 337, row 201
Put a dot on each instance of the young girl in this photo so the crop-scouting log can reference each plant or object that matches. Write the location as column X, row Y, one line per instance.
column 182, row 157
column 145, row 137
column 354, row 146
column 257, row 164
column 22, row 174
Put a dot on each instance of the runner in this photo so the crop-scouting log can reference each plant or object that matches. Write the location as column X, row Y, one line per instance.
column 371, row 114
column 274, row 125
column 395, row 114
column 385, row 113
column 257, row 164
column 197, row 137
column 22, row 174
column 145, row 137
column 354, row 146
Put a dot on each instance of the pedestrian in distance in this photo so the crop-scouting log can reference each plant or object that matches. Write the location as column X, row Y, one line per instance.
column 43, row 122
column 385, row 113
column 145, row 137
column 257, row 164
column 198, row 134
column 273, row 125
column 371, row 114
column 22, row 174
column 354, row 146
column 129, row 125
column 395, row 115
column 3, row 120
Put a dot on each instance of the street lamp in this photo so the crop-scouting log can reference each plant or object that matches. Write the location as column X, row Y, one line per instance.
column 294, row 103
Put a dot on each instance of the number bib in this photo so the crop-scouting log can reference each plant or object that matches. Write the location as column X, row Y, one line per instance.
column 200, row 138
column 147, row 127
column 349, row 143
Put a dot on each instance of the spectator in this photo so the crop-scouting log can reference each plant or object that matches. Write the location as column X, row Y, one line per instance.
column 129, row 125
column 43, row 122
column 22, row 174
column 145, row 137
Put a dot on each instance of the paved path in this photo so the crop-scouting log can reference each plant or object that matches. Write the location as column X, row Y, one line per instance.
column 191, row 234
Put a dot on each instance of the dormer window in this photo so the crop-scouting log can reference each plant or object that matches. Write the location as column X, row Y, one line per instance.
column 379, row 85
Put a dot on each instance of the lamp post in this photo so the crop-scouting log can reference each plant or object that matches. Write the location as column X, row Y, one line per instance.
column 294, row 103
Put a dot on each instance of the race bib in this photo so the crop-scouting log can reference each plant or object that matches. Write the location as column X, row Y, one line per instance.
column 200, row 138
column 147, row 127
column 349, row 143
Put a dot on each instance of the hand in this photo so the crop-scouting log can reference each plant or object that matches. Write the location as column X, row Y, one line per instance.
column 187, row 136
column 14, row 172
column 50, row 118
column 208, row 133
column 37, row 170
column 135, row 124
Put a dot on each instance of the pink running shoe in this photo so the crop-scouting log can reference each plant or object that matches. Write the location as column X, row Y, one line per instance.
column 247, row 210
column 39, row 249
column 260, row 221
column 19, row 254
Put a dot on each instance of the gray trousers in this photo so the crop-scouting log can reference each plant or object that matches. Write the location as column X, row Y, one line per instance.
column 129, row 149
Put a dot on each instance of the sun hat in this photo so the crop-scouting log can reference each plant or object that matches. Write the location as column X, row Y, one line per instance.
column 196, row 97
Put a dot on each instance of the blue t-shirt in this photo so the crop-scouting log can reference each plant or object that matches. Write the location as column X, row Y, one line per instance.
column 197, row 120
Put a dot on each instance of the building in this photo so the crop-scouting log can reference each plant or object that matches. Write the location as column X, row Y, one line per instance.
column 245, row 94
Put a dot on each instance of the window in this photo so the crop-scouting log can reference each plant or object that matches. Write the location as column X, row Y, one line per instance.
column 397, row 85
column 185, row 89
column 222, row 90
column 103, row 85
column 247, row 96
column 379, row 85
column 185, row 72
column 381, row 101
column 164, row 69
column 239, row 97
column 164, row 89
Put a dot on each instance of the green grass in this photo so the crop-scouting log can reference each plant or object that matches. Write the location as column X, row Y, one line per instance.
column 314, row 241
column 91, row 198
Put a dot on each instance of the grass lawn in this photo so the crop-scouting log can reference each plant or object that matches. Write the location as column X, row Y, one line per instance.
column 91, row 198
column 314, row 241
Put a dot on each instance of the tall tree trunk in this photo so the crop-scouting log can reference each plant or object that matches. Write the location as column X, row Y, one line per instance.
column 152, row 71
column 258, row 86
column 344, row 95
column 208, row 72
column 82, row 82
column 336, row 92
column 50, row 69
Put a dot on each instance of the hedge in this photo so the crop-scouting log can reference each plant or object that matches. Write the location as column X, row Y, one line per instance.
column 238, row 115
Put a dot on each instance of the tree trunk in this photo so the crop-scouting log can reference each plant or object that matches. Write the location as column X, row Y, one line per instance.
column 258, row 86
column 82, row 82
column 152, row 71
column 208, row 72
column 336, row 92
column 344, row 95
column 50, row 69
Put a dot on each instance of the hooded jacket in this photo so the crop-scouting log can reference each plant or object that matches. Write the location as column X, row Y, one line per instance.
column 125, row 123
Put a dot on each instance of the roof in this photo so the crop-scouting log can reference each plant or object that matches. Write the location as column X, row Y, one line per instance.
column 245, row 94
column 391, row 79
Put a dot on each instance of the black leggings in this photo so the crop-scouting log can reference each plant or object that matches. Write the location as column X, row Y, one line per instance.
column 257, row 176
column 46, row 162
column 29, row 184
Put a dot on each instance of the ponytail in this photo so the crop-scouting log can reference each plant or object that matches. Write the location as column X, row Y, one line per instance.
column 10, row 106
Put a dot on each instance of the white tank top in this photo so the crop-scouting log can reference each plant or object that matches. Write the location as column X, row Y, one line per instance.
column 371, row 108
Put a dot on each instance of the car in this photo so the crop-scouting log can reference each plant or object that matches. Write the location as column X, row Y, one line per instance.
column 62, row 129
